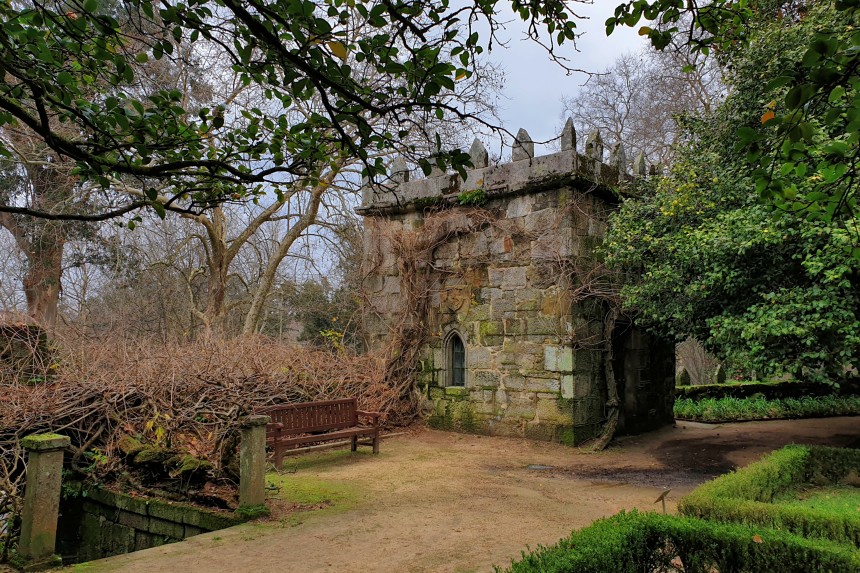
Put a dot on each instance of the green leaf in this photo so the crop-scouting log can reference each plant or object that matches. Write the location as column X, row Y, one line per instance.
column 778, row 82
column 836, row 94
column 747, row 134
column 799, row 95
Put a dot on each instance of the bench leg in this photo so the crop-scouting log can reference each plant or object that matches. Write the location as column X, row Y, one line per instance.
column 376, row 443
column 355, row 443
column 278, row 459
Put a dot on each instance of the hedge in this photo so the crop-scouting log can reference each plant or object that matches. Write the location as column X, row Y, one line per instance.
column 759, row 408
column 750, row 495
column 649, row 542
column 769, row 390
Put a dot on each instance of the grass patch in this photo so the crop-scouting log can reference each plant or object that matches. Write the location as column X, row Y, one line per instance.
column 635, row 542
column 758, row 408
column 324, row 459
column 312, row 492
column 756, row 494
column 842, row 499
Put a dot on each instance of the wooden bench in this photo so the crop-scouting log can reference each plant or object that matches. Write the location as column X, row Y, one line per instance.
column 293, row 425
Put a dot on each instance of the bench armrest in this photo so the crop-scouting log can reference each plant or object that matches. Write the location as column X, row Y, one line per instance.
column 276, row 425
column 374, row 415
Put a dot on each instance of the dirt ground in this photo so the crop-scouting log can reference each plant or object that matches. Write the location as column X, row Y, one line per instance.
column 443, row 502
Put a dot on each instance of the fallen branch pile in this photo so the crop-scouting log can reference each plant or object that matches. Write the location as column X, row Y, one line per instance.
column 173, row 407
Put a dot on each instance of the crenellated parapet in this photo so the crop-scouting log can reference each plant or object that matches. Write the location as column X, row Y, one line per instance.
column 524, row 173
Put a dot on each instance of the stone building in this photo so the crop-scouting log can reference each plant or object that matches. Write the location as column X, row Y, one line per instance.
column 495, row 278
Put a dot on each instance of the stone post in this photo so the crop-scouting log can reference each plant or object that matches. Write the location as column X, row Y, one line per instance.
column 252, row 462
column 41, row 501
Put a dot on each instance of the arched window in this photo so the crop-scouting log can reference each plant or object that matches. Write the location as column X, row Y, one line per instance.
column 457, row 361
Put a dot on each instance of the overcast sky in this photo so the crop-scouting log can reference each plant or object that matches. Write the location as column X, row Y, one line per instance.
column 534, row 85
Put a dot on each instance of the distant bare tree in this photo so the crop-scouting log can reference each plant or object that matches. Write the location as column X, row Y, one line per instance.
column 698, row 362
column 642, row 98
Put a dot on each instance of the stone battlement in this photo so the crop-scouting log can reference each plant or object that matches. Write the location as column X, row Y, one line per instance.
column 523, row 174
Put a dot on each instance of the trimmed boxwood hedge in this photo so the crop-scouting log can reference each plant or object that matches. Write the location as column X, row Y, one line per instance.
column 758, row 408
column 769, row 390
column 747, row 496
column 648, row 542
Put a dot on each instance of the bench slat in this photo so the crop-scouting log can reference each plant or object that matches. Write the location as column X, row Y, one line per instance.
column 308, row 422
column 327, row 436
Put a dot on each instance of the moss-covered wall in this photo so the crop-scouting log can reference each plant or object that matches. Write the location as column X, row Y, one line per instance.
column 96, row 523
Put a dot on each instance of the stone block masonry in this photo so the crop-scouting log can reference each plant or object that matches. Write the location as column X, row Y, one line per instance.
column 502, row 281
column 97, row 522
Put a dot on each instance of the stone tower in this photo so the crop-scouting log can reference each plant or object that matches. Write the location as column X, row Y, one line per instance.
column 497, row 281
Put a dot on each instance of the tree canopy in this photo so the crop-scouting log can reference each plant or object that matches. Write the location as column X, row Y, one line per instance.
column 74, row 73
column 773, row 292
column 802, row 145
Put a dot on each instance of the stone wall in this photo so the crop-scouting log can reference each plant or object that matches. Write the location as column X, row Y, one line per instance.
column 96, row 523
column 513, row 249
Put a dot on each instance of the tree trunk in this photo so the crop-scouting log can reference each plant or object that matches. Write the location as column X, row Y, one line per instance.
column 219, row 263
column 42, row 243
column 42, row 281
column 613, row 403
column 267, row 280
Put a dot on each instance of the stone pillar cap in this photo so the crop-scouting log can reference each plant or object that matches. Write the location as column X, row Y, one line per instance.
column 254, row 420
column 45, row 442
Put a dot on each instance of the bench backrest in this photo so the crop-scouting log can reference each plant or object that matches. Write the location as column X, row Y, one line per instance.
column 309, row 417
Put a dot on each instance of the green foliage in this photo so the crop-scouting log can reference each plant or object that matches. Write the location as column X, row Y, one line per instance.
column 759, row 407
column 802, row 141
column 635, row 542
column 324, row 312
column 473, row 197
column 769, row 390
column 751, row 495
column 78, row 76
column 760, row 400
column 759, row 287
column 763, row 289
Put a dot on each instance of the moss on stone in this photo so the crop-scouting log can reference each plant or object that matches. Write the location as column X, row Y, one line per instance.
column 457, row 416
column 427, row 202
column 41, row 442
column 153, row 455
column 189, row 464
column 456, row 392
column 443, row 421
column 467, row 419
column 129, row 445
column 567, row 437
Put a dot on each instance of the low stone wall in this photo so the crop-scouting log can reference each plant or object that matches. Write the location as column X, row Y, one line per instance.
column 96, row 523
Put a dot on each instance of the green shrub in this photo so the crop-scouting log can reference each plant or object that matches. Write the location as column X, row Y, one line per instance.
column 769, row 390
column 750, row 495
column 758, row 407
column 636, row 542
column 473, row 197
